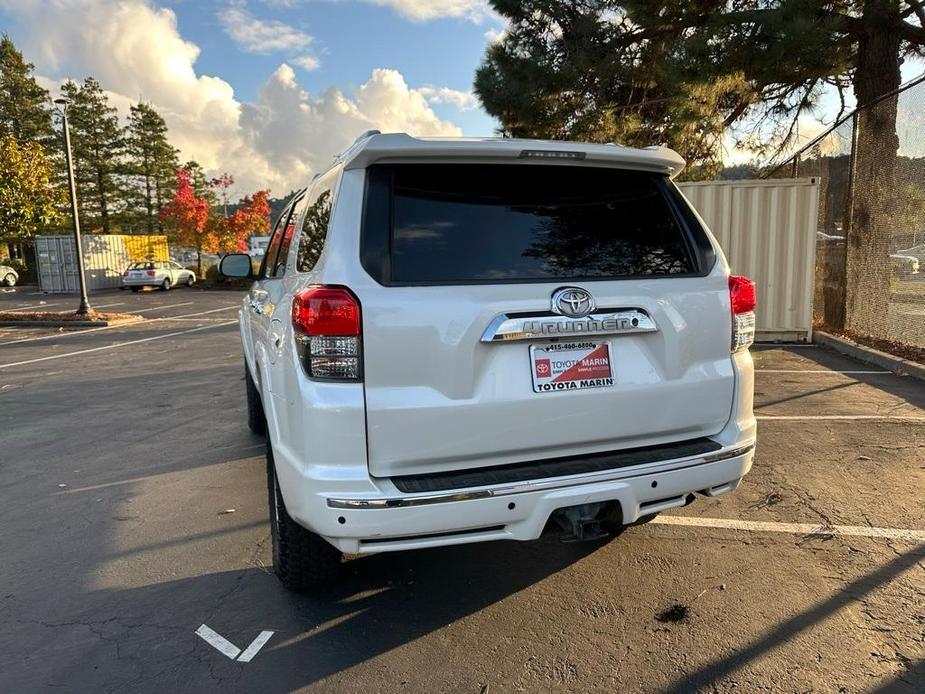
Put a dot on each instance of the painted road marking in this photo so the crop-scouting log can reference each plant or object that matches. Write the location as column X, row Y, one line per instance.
column 817, row 371
column 838, row 417
column 218, row 642
column 116, row 345
column 795, row 528
column 254, row 648
column 158, row 308
column 59, row 303
column 225, row 647
column 122, row 325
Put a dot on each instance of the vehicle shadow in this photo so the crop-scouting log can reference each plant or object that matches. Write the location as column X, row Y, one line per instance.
column 143, row 639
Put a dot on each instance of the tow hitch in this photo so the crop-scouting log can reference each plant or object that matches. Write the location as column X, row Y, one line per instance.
column 586, row 522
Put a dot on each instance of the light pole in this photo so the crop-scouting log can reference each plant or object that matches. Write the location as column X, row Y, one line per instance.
column 72, row 187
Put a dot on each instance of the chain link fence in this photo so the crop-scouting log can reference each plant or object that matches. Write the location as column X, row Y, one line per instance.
column 870, row 236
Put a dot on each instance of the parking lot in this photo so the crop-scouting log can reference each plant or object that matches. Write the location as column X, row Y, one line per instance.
column 133, row 511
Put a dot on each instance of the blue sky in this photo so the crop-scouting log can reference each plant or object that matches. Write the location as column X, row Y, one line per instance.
column 349, row 39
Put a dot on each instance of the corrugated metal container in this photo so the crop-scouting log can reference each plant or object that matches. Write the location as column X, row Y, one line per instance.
column 105, row 258
column 767, row 229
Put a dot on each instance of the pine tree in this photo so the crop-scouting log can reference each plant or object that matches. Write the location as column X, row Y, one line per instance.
column 24, row 105
column 152, row 164
column 98, row 143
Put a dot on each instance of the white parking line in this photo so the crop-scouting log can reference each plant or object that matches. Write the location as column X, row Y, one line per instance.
column 795, row 528
column 817, row 371
column 61, row 303
column 158, row 308
column 218, row 642
column 116, row 345
column 123, row 325
column 845, row 417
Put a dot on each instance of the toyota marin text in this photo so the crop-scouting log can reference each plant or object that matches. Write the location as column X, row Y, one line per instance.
column 462, row 340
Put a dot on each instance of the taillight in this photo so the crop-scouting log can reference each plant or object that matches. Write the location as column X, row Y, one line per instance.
column 742, row 299
column 151, row 273
column 326, row 321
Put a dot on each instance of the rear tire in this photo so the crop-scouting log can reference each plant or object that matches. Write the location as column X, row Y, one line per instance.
column 166, row 284
column 256, row 419
column 302, row 560
column 190, row 281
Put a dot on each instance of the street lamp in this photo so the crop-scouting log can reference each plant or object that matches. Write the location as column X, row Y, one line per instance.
column 72, row 187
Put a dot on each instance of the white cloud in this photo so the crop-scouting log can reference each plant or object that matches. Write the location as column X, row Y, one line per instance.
column 495, row 35
column 307, row 62
column 136, row 52
column 464, row 101
column 424, row 10
column 261, row 36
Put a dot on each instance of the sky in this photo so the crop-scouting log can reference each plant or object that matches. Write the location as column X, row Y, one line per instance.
column 269, row 90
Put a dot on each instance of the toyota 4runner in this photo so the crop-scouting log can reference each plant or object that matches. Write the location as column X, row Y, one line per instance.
column 460, row 340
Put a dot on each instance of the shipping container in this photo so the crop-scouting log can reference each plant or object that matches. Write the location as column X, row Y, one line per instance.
column 105, row 258
column 767, row 229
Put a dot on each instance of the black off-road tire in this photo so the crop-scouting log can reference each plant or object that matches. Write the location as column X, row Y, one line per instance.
column 256, row 419
column 301, row 560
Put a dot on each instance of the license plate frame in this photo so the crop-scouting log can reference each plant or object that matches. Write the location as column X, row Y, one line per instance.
column 575, row 356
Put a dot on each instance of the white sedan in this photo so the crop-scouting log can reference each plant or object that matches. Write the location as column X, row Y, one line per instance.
column 157, row 273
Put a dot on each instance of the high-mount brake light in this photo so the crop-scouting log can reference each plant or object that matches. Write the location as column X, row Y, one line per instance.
column 551, row 154
column 742, row 300
column 326, row 322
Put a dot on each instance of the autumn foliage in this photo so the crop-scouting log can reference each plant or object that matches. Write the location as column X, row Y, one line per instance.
column 194, row 223
column 188, row 217
column 251, row 218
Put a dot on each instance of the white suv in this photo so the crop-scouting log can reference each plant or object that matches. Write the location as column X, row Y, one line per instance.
column 458, row 340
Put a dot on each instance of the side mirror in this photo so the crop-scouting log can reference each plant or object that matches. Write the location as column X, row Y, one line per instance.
column 236, row 265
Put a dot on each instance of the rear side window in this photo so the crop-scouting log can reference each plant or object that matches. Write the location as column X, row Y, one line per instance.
column 315, row 224
column 464, row 223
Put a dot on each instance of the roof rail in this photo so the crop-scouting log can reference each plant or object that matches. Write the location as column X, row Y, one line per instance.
column 368, row 133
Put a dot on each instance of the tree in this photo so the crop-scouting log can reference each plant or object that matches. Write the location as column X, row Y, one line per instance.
column 152, row 162
column 188, row 216
column 28, row 201
column 251, row 218
column 223, row 183
column 98, row 146
column 24, row 105
column 683, row 72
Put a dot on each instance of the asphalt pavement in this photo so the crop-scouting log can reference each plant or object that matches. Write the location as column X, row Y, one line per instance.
column 133, row 512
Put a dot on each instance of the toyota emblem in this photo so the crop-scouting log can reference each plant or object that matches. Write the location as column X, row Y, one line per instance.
column 573, row 302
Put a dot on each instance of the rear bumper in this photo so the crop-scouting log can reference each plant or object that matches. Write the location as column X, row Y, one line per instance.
column 147, row 282
column 389, row 520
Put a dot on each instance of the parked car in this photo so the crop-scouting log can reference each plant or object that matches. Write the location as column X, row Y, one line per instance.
column 461, row 340
column 8, row 276
column 157, row 273
column 904, row 265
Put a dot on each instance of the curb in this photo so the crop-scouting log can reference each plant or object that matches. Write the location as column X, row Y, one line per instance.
column 67, row 323
column 898, row 365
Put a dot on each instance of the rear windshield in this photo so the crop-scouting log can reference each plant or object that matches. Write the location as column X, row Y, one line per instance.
column 141, row 265
column 462, row 223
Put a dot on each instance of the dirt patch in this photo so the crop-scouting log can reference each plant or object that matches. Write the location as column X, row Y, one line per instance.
column 64, row 318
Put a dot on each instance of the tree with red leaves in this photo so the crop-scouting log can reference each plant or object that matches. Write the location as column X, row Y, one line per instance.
column 251, row 218
column 188, row 215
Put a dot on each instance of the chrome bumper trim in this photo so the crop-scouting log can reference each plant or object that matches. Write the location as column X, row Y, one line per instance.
column 533, row 486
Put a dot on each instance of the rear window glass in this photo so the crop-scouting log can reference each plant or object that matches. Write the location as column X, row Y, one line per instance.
column 482, row 223
column 141, row 266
